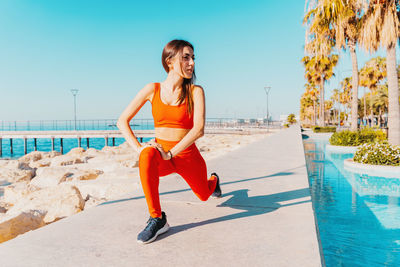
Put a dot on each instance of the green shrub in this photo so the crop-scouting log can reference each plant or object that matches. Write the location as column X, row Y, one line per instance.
column 291, row 119
column 379, row 153
column 303, row 125
column 286, row 125
column 350, row 138
column 326, row 129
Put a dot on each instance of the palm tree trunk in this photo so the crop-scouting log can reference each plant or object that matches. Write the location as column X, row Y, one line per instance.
column 365, row 104
column 371, row 109
column 315, row 114
column 321, row 104
column 393, row 90
column 354, row 99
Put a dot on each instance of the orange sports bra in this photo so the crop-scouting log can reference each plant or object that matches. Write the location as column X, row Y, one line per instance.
column 170, row 116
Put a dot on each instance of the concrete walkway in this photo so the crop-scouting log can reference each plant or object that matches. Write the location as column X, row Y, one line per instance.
column 264, row 218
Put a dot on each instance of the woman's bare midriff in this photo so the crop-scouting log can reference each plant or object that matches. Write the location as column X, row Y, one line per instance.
column 170, row 134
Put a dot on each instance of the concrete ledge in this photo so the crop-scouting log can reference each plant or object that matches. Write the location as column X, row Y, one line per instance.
column 341, row 149
column 372, row 170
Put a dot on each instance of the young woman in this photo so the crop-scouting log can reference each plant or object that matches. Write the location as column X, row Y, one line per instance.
column 178, row 109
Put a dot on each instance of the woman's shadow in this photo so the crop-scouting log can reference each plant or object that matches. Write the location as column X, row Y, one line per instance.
column 250, row 206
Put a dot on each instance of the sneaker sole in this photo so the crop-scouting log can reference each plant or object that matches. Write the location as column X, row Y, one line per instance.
column 219, row 196
column 159, row 232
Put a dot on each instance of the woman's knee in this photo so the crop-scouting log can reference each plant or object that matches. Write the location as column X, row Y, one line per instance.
column 148, row 153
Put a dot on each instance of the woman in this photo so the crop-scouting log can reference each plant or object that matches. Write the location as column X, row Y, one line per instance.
column 178, row 109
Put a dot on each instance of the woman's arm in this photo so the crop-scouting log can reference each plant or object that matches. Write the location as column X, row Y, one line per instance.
column 198, row 122
column 130, row 111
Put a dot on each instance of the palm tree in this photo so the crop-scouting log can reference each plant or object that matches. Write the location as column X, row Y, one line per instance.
column 346, row 94
column 381, row 102
column 328, row 107
column 306, row 108
column 335, row 99
column 313, row 92
column 343, row 16
column 381, row 29
column 370, row 76
column 318, row 70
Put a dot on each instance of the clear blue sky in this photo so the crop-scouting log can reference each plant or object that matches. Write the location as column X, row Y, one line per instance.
column 110, row 49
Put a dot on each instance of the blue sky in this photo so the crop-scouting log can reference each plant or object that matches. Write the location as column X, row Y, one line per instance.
column 110, row 49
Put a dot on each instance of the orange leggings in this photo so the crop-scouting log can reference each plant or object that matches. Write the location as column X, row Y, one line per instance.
column 189, row 164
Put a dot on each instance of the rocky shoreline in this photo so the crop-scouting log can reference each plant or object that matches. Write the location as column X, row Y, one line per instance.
column 47, row 186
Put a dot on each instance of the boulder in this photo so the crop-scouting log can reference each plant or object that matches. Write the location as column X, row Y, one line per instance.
column 4, row 162
column 40, row 163
column 15, row 224
column 57, row 201
column 76, row 151
column 52, row 154
column 14, row 192
column 65, row 160
column 16, row 175
column 4, row 207
column 33, row 156
column 84, row 175
column 92, row 152
column 109, row 150
column 51, row 176
column 130, row 163
column 92, row 201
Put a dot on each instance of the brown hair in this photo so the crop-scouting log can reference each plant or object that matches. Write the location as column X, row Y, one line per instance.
column 173, row 48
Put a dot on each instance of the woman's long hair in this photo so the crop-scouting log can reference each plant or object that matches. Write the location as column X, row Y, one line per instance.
column 173, row 48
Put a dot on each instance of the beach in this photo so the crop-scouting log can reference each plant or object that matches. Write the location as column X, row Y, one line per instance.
column 43, row 187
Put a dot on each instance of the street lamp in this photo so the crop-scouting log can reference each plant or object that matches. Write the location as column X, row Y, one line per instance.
column 74, row 93
column 267, row 89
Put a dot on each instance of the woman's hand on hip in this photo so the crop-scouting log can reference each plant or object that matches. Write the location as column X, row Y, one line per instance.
column 151, row 143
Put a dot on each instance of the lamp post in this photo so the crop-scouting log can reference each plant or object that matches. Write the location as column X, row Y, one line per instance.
column 267, row 89
column 74, row 93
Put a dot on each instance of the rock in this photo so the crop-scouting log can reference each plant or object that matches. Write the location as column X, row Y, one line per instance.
column 51, row 176
column 85, row 175
column 111, row 187
column 58, row 202
column 204, row 148
column 130, row 163
column 109, row 150
column 19, row 223
column 13, row 193
column 40, row 163
column 16, row 175
column 12, row 164
column 33, row 156
column 65, row 160
column 76, row 151
column 91, row 201
column 52, row 154
column 92, row 152
column 4, row 207
column 3, row 163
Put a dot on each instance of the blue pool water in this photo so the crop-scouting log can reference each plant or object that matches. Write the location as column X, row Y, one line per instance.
column 358, row 216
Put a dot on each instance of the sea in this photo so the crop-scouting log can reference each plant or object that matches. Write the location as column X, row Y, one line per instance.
column 44, row 144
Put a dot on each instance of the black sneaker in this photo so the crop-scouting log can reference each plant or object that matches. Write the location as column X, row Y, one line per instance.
column 217, row 192
column 154, row 228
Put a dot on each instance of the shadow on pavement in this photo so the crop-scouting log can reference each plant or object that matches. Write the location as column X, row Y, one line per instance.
column 251, row 206
column 284, row 173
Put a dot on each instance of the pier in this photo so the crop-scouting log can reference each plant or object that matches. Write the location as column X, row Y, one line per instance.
column 106, row 134
column 85, row 135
